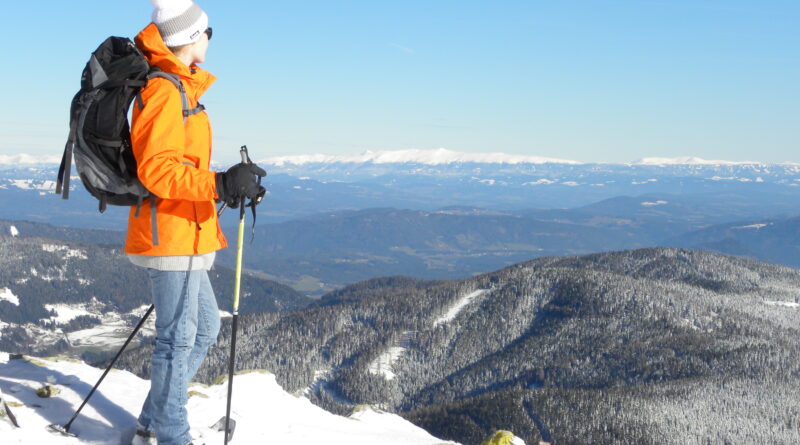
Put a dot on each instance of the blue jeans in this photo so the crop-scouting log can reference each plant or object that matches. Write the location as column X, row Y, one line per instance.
column 187, row 324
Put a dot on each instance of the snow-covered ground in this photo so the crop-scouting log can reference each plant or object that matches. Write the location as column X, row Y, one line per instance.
column 753, row 226
column 7, row 295
column 264, row 412
column 458, row 307
column 655, row 203
column 67, row 251
column 30, row 184
column 68, row 312
column 540, row 182
column 109, row 335
column 383, row 364
column 789, row 304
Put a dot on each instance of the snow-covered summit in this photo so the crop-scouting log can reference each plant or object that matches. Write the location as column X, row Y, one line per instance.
column 263, row 411
column 439, row 156
column 26, row 159
column 688, row 160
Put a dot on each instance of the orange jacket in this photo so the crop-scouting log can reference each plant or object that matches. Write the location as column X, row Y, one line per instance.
column 173, row 160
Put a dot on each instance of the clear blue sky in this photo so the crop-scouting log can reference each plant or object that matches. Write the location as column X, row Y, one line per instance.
column 592, row 80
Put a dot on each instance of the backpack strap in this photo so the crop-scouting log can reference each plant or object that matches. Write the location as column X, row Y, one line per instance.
column 186, row 113
column 176, row 80
column 200, row 107
column 65, row 169
column 153, row 220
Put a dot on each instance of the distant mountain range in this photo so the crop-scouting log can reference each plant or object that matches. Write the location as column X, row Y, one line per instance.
column 321, row 253
column 329, row 221
column 415, row 156
column 771, row 240
column 300, row 186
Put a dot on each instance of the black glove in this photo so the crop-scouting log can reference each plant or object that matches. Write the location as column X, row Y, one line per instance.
column 239, row 182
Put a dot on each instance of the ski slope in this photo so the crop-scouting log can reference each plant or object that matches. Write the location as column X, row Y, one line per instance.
column 265, row 413
column 459, row 306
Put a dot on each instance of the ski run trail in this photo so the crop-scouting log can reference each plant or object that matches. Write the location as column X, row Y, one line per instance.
column 265, row 413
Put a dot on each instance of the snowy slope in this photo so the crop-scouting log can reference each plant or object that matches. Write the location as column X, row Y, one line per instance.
column 459, row 306
column 264, row 412
column 7, row 295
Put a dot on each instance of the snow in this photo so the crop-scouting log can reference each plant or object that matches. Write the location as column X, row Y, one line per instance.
column 383, row 364
column 20, row 159
column 14, row 231
column 654, row 203
column 459, row 306
column 540, row 182
column 69, row 253
column 111, row 333
column 688, row 160
column 67, row 312
column 752, row 226
column 7, row 295
column 789, row 304
column 440, row 156
column 265, row 413
column 29, row 184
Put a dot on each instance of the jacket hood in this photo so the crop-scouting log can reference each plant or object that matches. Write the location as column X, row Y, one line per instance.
column 195, row 79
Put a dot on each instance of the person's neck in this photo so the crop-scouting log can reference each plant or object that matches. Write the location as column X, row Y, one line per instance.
column 186, row 59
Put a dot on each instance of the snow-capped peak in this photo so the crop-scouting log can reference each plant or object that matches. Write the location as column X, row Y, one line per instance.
column 26, row 159
column 688, row 160
column 439, row 156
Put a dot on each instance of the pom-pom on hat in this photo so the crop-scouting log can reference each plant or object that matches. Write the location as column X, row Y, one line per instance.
column 180, row 22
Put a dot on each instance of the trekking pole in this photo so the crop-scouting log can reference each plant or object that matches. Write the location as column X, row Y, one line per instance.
column 236, row 287
column 65, row 429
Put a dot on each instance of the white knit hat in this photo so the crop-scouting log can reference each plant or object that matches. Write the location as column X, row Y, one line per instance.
column 180, row 22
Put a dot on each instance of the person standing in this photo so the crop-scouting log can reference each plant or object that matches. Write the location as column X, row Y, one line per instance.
column 177, row 243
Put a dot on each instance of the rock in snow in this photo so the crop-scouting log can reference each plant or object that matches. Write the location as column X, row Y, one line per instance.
column 264, row 412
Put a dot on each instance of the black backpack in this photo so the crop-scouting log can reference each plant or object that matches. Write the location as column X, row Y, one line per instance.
column 99, row 136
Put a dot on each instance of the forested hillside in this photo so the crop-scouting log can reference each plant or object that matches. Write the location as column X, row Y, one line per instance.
column 38, row 274
column 649, row 346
